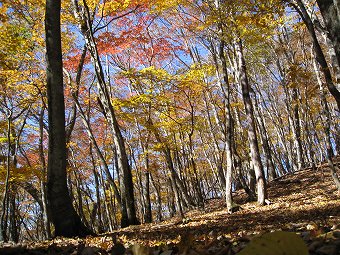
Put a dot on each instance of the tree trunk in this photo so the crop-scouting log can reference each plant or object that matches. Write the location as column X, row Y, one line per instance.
column 98, row 196
column 174, row 184
column 64, row 217
column 109, row 219
column 3, row 220
column 326, row 116
column 13, row 227
column 158, row 199
column 297, row 129
column 330, row 11
column 254, row 147
column 148, row 212
column 326, row 6
column 127, row 193
column 99, row 153
column 173, row 174
column 43, row 176
column 218, row 159
column 271, row 173
column 228, row 132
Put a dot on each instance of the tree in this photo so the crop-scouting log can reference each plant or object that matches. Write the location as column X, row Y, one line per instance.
column 167, row 104
column 127, row 197
column 330, row 10
column 252, row 136
column 63, row 215
column 319, row 55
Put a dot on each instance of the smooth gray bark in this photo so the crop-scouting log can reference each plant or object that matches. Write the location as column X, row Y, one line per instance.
column 63, row 215
column 228, row 132
column 253, row 142
column 330, row 11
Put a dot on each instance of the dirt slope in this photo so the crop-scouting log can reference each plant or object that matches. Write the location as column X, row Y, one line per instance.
column 305, row 202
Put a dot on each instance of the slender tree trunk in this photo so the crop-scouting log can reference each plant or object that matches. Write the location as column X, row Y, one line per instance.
column 44, row 206
column 271, row 173
column 327, row 127
column 297, row 129
column 292, row 101
column 127, row 193
column 276, row 118
column 3, row 223
column 326, row 6
column 158, row 199
column 228, row 132
column 109, row 219
column 13, row 221
column 97, row 149
column 332, row 57
column 148, row 212
column 172, row 201
column 80, row 197
column 14, row 224
column 254, row 147
column 98, row 196
column 118, row 194
column 173, row 174
column 174, row 185
column 217, row 152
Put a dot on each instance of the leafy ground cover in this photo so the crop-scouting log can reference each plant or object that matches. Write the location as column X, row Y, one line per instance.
column 305, row 203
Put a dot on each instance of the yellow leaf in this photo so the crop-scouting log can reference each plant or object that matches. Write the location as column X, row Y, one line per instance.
column 278, row 243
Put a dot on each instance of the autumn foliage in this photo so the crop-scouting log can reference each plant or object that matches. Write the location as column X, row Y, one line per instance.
column 173, row 76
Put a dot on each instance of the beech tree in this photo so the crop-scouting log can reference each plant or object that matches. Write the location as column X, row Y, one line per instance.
column 156, row 107
column 330, row 10
column 64, row 218
column 331, row 27
column 126, row 186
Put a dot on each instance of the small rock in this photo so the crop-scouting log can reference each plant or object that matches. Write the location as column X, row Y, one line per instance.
column 327, row 250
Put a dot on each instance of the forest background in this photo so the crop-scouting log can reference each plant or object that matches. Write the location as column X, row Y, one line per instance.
column 167, row 105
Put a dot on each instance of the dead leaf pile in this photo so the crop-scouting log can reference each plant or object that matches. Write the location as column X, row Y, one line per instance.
column 305, row 203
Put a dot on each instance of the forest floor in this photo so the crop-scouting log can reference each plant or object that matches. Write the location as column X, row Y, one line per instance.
column 305, row 202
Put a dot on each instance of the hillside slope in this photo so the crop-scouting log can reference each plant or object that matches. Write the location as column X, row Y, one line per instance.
column 305, row 202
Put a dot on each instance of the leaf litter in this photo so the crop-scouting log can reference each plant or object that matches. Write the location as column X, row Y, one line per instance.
column 305, row 203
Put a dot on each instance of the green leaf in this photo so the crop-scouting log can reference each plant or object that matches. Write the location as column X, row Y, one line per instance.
column 276, row 243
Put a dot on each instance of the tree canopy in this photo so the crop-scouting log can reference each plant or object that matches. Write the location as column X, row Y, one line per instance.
column 163, row 105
